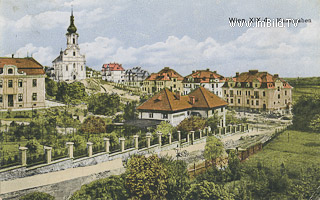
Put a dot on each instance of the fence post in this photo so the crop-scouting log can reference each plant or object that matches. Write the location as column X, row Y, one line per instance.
column 136, row 141
column 70, row 149
column 169, row 138
column 148, row 136
column 220, row 130
column 89, row 148
column 23, row 153
column 179, row 136
column 200, row 133
column 159, row 138
column 188, row 138
column 107, row 144
column 192, row 134
column 48, row 151
column 122, row 143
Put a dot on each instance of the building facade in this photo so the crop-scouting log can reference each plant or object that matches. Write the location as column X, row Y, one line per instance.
column 258, row 91
column 172, row 107
column 205, row 78
column 70, row 64
column 22, row 83
column 134, row 77
column 165, row 78
column 113, row 72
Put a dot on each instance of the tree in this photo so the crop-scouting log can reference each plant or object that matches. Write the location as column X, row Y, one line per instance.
column 104, row 104
column 112, row 187
column 315, row 124
column 130, row 111
column 192, row 123
column 213, row 122
column 51, row 87
column 93, row 125
column 37, row 196
column 234, row 164
column 208, row 190
column 213, row 149
column 33, row 146
column 146, row 178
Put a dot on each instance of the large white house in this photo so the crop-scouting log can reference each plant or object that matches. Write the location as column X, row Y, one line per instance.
column 174, row 108
column 70, row 64
column 113, row 72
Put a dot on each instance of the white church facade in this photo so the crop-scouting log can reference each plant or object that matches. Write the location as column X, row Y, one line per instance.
column 70, row 64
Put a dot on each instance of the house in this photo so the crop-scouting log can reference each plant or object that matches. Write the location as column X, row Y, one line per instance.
column 205, row 78
column 173, row 107
column 165, row 78
column 134, row 77
column 113, row 72
column 70, row 64
column 22, row 83
column 258, row 91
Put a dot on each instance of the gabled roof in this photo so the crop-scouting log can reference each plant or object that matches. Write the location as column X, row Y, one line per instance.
column 203, row 76
column 166, row 100
column 267, row 80
column 206, row 99
column 112, row 67
column 27, row 65
column 165, row 75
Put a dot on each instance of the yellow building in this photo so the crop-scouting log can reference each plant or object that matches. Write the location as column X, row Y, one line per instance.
column 22, row 83
column 166, row 78
column 258, row 91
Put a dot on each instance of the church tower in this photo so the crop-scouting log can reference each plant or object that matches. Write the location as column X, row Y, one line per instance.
column 70, row 64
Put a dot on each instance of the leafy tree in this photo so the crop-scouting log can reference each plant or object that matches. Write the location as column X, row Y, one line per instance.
column 37, row 196
column 231, row 117
column 192, row 123
column 33, row 146
column 146, row 178
column 213, row 149
column 130, row 111
column 112, row 187
column 51, row 87
column 315, row 124
column 104, row 104
column 208, row 190
column 213, row 122
column 93, row 125
column 234, row 164
column 71, row 93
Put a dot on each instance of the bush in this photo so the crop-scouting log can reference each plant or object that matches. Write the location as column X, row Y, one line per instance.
column 37, row 196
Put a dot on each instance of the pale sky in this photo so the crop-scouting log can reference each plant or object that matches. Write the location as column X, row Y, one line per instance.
column 183, row 34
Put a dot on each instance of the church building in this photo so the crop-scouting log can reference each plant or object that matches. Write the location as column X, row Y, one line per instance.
column 70, row 64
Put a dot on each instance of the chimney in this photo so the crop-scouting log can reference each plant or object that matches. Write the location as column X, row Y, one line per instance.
column 276, row 75
column 178, row 95
column 192, row 100
column 12, row 55
column 237, row 74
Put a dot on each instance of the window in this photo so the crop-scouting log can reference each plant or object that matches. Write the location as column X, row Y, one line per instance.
column 150, row 115
column 248, row 102
column 237, row 92
column 251, row 102
column 74, row 65
column 20, row 97
column 278, row 88
column 231, row 100
column 165, row 116
column 285, row 101
column 231, row 93
column 0, row 98
column 1, row 83
column 225, row 91
column 174, row 86
column 227, row 100
column 216, row 85
column 34, row 96
column 34, row 82
column 264, row 93
column 256, row 94
column 74, row 41
column 81, row 68
column 212, row 85
column 67, row 68
column 257, row 102
column 249, row 93
column 285, row 92
column 19, row 83
column 10, row 84
column 10, row 71
column 221, row 109
column 238, row 100
column 240, row 92
column 246, row 92
column 278, row 96
column 74, row 53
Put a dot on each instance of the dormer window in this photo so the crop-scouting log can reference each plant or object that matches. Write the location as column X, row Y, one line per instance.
column 10, row 71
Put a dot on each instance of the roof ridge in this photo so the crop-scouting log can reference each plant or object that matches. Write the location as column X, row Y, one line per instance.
column 165, row 90
column 204, row 96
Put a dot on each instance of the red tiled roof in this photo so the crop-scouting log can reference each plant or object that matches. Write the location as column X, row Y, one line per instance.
column 267, row 80
column 165, row 75
column 27, row 65
column 203, row 76
column 166, row 100
column 113, row 67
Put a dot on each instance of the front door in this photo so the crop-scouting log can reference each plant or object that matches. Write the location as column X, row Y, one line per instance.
column 264, row 107
column 10, row 100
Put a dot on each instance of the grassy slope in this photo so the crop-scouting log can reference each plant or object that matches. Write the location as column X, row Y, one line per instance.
column 302, row 151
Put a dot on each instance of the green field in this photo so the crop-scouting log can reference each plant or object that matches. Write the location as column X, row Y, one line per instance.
column 304, row 90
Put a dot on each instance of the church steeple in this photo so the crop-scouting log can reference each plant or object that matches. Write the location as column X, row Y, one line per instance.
column 72, row 28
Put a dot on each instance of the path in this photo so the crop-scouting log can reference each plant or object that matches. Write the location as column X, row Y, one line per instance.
column 56, row 177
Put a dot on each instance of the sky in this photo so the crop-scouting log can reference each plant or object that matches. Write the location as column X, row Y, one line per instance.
column 185, row 35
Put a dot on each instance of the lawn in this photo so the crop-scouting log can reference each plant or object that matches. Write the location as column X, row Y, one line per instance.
column 301, row 152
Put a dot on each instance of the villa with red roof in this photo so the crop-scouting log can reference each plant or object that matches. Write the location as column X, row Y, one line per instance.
column 165, row 78
column 205, row 78
column 258, row 91
column 173, row 107
column 22, row 83
column 113, row 72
